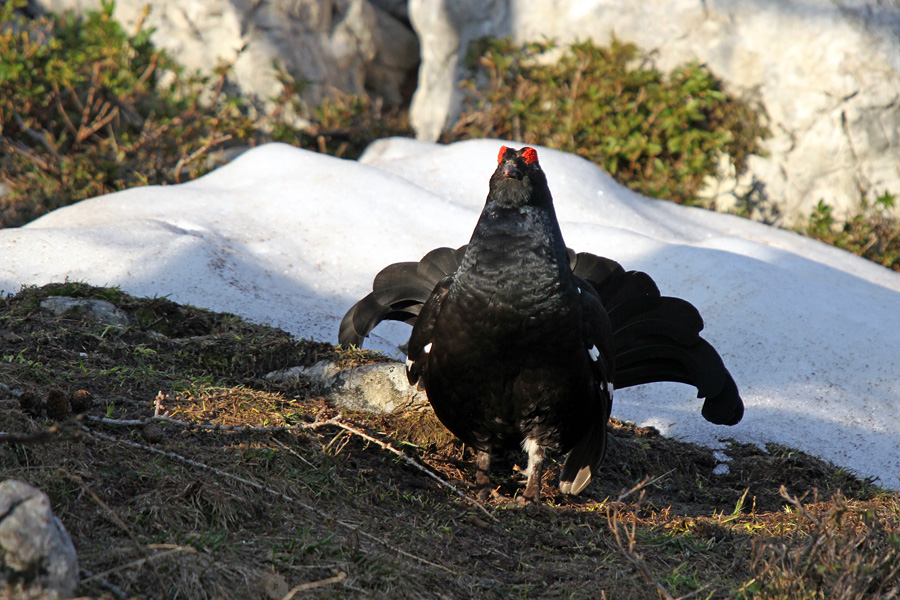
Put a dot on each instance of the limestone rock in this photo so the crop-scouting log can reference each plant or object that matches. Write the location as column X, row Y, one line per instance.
column 392, row 72
column 91, row 309
column 828, row 71
column 37, row 558
column 380, row 387
column 330, row 44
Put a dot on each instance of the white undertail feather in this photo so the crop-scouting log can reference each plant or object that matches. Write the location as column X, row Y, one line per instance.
column 427, row 348
column 530, row 446
column 594, row 353
column 582, row 478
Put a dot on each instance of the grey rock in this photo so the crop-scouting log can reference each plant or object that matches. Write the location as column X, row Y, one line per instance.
column 328, row 44
column 91, row 309
column 380, row 387
column 398, row 9
column 396, row 59
column 37, row 558
column 828, row 71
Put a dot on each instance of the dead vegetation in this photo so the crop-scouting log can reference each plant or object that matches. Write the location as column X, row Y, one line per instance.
column 181, row 472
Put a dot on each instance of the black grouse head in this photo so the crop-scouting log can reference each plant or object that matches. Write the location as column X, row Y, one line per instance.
column 519, row 180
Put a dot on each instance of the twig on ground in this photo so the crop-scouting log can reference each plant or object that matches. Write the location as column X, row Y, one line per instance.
column 336, row 421
column 138, row 562
column 640, row 485
column 29, row 438
column 315, row 584
column 224, row 474
column 44, row 435
column 627, row 549
column 118, row 521
column 798, row 504
column 208, row 426
column 413, row 463
column 115, row 590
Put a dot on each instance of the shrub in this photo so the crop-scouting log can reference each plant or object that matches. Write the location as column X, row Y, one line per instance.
column 659, row 135
column 872, row 232
column 847, row 550
column 86, row 109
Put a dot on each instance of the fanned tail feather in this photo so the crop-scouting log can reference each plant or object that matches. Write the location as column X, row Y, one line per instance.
column 398, row 293
column 584, row 460
column 657, row 338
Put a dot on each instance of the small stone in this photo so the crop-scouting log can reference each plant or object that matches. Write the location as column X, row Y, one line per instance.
column 88, row 309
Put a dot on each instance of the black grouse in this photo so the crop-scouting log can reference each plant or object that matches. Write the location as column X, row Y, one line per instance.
column 518, row 341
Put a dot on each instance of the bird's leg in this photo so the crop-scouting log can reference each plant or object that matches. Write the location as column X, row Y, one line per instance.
column 534, row 471
column 483, row 473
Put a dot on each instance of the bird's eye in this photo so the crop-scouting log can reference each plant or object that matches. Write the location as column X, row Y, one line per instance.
column 530, row 155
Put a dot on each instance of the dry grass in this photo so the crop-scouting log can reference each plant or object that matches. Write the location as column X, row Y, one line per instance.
column 251, row 490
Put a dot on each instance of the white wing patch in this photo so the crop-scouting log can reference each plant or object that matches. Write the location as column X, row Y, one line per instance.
column 608, row 387
column 594, row 353
column 409, row 361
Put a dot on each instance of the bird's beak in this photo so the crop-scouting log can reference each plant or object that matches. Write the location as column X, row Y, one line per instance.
column 511, row 170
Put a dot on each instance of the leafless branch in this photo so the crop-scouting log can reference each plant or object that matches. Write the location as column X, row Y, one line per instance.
column 315, row 584
column 413, row 463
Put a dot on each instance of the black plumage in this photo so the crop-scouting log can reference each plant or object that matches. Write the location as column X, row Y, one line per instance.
column 518, row 340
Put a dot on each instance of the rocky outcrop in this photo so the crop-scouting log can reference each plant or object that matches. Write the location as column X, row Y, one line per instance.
column 347, row 45
column 828, row 71
column 37, row 558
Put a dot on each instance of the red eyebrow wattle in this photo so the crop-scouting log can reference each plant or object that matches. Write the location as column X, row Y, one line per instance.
column 530, row 155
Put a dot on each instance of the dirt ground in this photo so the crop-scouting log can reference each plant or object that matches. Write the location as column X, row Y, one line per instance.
column 250, row 489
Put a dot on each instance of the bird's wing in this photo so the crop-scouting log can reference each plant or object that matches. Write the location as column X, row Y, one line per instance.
column 398, row 293
column 420, row 339
column 585, row 458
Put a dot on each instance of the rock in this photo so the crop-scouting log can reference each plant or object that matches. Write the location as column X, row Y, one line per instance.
column 91, row 309
column 329, row 44
column 37, row 558
column 392, row 73
column 381, row 387
column 828, row 71
column 396, row 8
